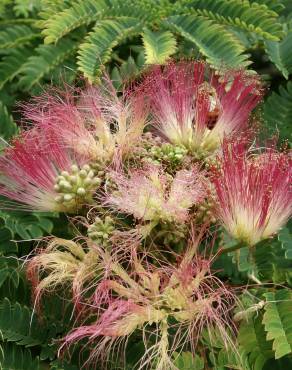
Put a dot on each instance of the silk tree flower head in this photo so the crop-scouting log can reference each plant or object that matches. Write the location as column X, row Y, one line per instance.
column 153, row 195
column 253, row 193
column 196, row 111
column 38, row 172
column 96, row 122
column 183, row 300
column 63, row 264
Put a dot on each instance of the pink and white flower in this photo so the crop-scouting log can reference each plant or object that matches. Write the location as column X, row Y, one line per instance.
column 196, row 111
column 186, row 299
column 153, row 195
column 95, row 122
column 253, row 193
column 31, row 168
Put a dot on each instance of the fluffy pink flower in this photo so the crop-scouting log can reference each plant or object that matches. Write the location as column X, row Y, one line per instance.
column 152, row 195
column 96, row 122
column 186, row 298
column 254, row 197
column 195, row 111
column 30, row 167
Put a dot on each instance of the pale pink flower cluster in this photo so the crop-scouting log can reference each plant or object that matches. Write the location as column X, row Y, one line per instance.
column 151, row 195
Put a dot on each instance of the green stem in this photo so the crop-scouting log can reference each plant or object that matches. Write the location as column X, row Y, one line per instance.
column 231, row 249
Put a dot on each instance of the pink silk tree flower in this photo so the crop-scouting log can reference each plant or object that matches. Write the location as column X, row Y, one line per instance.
column 38, row 172
column 196, row 111
column 185, row 299
column 253, row 193
column 95, row 122
column 153, row 195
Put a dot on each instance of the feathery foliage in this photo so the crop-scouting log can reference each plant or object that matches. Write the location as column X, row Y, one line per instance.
column 55, row 41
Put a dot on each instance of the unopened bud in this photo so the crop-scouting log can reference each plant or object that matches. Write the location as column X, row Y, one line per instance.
column 81, row 191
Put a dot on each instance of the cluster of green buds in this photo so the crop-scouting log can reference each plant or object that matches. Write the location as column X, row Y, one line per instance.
column 171, row 155
column 174, row 235
column 205, row 212
column 76, row 188
column 100, row 231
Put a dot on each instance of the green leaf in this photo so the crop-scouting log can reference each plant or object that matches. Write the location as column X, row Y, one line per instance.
column 253, row 17
column 19, row 324
column 128, row 70
column 82, row 12
column 17, row 35
column 26, row 225
column 9, row 269
column 48, row 57
column 7, row 246
column 285, row 237
column 8, row 127
column 278, row 111
column 280, row 53
column 97, row 49
column 252, row 339
column 215, row 42
column 188, row 361
column 159, row 46
column 11, row 64
column 277, row 321
column 17, row 358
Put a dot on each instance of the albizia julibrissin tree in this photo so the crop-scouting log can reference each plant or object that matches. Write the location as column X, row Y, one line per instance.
column 160, row 174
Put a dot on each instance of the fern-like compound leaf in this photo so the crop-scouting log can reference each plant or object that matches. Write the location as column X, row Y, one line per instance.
column 97, row 48
column 14, row 357
column 18, row 325
column 217, row 44
column 17, row 35
column 252, row 339
column 277, row 321
column 253, row 17
column 281, row 117
column 280, row 53
column 48, row 57
column 11, row 64
column 8, row 127
column 159, row 46
column 80, row 13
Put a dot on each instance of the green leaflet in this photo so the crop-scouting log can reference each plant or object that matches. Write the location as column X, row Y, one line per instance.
column 99, row 44
column 280, row 53
column 281, row 117
column 219, row 46
column 253, row 17
column 17, row 324
column 252, row 339
column 48, row 57
column 186, row 361
column 63, row 22
column 277, row 321
column 11, row 64
column 8, row 127
column 159, row 46
column 14, row 357
column 18, row 35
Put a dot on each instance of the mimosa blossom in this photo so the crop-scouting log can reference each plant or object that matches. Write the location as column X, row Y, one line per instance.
column 152, row 195
column 254, row 195
column 186, row 298
column 35, row 171
column 197, row 112
column 95, row 122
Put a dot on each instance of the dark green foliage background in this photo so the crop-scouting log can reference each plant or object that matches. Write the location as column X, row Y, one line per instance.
column 45, row 41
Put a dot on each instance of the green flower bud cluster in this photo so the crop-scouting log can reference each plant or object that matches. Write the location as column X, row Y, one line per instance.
column 205, row 212
column 167, row 153
column 75, row 188
column 211, row 162
column 100, row 231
